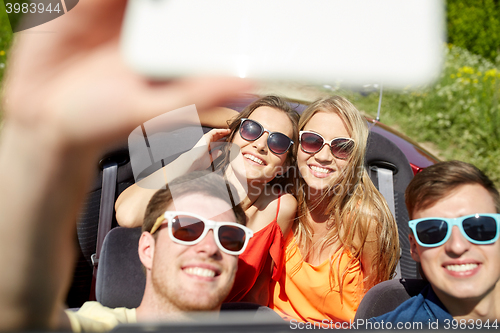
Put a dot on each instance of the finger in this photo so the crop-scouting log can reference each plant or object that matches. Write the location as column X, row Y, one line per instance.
column 210, row 137
column 214, row 131
column 218, row 134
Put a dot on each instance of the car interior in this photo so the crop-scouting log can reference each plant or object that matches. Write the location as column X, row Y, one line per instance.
column 109, row 270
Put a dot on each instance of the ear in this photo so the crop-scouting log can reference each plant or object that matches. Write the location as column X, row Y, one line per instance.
column 413, row 248
column 146, row 249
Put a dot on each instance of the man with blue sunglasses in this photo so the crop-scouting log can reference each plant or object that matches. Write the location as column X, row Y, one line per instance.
column 454, row 210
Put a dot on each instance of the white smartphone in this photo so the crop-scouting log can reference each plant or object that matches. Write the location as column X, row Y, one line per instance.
column 395, row 42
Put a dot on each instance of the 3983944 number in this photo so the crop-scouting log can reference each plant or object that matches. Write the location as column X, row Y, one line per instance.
column 31, row 8
column 470, row 324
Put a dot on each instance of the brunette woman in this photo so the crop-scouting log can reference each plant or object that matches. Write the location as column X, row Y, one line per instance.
column 266, row 134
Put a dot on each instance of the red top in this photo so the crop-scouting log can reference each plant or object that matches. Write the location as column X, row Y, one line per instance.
column 263, row 259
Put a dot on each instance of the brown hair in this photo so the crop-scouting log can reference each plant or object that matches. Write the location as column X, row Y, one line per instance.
column 437, row 181
column 208, row 183
column 354, row 202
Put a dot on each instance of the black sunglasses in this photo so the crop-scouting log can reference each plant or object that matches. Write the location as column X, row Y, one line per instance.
column 277, row 142
column 478, row 229
column 312, row 142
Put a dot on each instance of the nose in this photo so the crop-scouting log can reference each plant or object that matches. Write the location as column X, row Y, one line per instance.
column 457, row 244
column 324, row 154
column 208, row 245
column 261, row 143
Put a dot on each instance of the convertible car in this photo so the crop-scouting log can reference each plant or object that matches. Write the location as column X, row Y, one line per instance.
column 391, row 159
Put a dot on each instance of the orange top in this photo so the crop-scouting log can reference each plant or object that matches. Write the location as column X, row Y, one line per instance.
column 304, row 292
column 261, row 262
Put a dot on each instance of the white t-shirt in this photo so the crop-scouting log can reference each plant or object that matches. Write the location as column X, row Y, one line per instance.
column 94, row 317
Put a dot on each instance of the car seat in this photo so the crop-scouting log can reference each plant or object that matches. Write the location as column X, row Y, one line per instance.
column 120, row 278
column 114, row 174
column 391, row 172
column 387, row 296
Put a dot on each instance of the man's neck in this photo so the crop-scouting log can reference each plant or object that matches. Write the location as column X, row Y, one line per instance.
column 485, row 307
column 155, row 312
column 154, row 308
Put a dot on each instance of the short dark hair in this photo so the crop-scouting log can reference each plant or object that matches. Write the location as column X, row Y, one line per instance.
column 437, row 181
column 209, row 183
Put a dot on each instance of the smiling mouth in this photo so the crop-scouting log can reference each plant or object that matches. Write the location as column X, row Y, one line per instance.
column 254, row 159
column 320, row 169
column 461, row 268
column 198, row 271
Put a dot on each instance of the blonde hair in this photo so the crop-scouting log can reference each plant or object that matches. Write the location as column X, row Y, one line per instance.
column 354, row 204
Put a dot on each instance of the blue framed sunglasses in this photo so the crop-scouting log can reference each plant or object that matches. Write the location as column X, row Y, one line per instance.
column 478, row 229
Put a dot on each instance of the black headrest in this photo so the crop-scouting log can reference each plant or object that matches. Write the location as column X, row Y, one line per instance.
column 383, row 153
column 120, row 279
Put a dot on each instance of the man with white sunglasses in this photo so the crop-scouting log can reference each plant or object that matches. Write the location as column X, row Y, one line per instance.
column 454, row 211
column 192, row 236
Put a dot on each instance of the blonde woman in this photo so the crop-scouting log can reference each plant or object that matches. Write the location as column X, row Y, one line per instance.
column 345, row 238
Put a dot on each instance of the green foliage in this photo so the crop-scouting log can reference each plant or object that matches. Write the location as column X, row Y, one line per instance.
column 459, row 114
column 5, row 42
column 5, row 38
column 15, row 18
column 475, row 25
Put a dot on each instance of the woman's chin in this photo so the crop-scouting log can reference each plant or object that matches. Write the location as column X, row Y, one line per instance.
column 318, row 184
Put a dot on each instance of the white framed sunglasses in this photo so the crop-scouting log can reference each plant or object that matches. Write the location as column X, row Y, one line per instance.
column 189, row 229
column 311, row 143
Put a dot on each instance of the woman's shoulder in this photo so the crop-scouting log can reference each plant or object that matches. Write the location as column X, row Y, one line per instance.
column 288, row 204
column 275, row 207
column 284, row 206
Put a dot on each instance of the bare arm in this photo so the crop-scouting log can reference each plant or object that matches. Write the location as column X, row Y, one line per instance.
column 369, row 250
column 132, row 203
column 286, row 215
column 216, row 117
column 67, row 98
